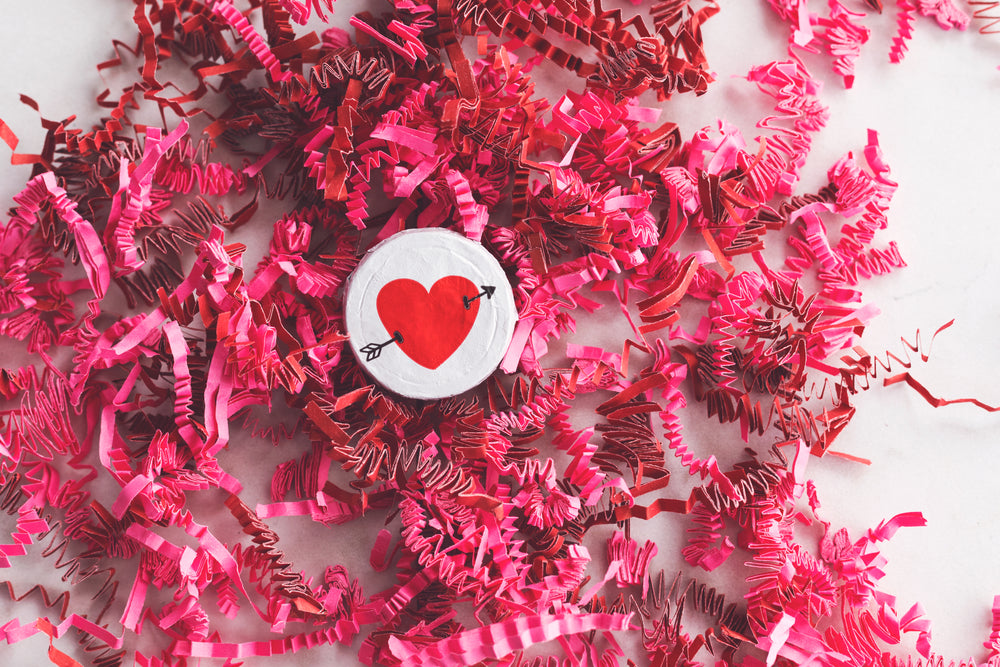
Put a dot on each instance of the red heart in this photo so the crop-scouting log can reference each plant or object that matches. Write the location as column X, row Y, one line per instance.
column 432, row 324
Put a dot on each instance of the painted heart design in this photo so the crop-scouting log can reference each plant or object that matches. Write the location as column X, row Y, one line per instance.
column 433, row 324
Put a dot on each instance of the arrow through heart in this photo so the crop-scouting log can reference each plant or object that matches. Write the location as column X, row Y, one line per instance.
column 428, row 325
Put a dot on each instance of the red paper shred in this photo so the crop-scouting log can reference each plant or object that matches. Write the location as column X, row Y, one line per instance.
column 986, row 11
column 519, row 501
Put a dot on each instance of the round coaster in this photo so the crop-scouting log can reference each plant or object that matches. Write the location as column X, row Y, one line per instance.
column 429, row 313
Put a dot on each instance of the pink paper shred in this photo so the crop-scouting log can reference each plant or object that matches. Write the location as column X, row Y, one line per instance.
column 514, row 521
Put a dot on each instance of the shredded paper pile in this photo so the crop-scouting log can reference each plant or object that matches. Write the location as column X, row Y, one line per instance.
column 510, row 524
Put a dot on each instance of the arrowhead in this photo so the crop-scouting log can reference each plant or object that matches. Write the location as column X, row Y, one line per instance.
column 488, row 290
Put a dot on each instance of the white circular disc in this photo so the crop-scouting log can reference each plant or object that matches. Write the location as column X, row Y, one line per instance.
column 429, row 313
